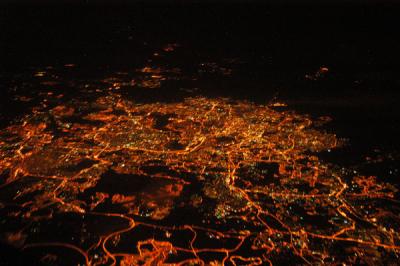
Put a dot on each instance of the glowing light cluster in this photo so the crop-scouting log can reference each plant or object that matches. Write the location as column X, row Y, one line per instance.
column 204, row 181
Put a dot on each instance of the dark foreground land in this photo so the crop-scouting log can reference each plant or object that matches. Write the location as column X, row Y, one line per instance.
column 199, row 134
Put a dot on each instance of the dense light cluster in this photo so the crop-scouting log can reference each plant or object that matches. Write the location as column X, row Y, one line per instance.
column 203, row 181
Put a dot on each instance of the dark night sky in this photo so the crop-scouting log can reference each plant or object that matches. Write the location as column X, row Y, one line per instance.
column 113, row 2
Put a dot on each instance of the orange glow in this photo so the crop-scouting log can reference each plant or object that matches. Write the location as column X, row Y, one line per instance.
column 256, row 168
